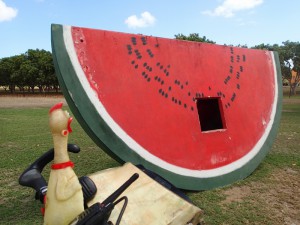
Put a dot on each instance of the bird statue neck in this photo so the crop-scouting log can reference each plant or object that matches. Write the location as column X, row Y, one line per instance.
column 60, row 148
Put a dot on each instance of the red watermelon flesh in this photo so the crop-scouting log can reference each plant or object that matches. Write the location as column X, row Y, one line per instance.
column 193, row 108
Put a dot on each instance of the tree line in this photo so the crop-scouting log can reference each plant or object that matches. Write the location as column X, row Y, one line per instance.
column 35, row 70
column 28, row 71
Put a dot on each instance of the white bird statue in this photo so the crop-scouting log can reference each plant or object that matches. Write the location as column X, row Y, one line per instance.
column 64, row 199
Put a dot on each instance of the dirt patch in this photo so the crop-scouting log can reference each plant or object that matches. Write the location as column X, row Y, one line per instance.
column 279, row 196
column 30, row 102
column 236, row 194
column 292, row 100
column 284, row 197
column 8, row 185
column 7, row 101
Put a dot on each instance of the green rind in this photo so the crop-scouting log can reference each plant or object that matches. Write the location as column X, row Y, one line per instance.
column 104, row 137
column 72, row 90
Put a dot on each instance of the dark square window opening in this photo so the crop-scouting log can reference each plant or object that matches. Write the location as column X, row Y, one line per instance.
column 211, row 114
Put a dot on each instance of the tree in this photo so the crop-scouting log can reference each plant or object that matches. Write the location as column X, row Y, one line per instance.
column 289, row 56
column 193, row 37
column 29, row 73
column 294, row 81
column 32, row 69
column 41, row 66
column 6, row 68
column 17, row 77
column 49, row 78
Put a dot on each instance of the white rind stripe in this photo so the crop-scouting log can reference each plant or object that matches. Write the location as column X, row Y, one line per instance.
column 67, row 35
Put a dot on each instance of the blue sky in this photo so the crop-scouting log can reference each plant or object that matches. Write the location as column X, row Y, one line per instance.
column 25, row 24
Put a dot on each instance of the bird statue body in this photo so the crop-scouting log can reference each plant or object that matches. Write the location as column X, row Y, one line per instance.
column 64, row 199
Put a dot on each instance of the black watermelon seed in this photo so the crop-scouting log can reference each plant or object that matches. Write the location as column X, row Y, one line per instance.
column 192, row 108
column 181, row 86
column 136, row 66
column 145, row 64
column 161, row 67
column 167, row 73
column 162, row 82
column 148, row 79
column 232, row 99
column 158, row 64
column 170, row 88
column 144, row 40
column 185, row 105
column 132, row 62
column 160, row 90
column 166, row 95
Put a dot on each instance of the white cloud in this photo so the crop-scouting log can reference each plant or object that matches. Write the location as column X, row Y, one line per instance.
column 229, row 7
column 243, row 23
column 145, row 20
column 7, row 13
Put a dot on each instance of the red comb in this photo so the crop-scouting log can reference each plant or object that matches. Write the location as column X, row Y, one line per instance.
column 55, row 107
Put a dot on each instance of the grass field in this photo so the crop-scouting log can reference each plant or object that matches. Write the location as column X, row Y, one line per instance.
column 271, row 195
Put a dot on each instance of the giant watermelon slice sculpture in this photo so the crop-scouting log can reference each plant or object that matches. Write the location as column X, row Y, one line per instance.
column 200, row 115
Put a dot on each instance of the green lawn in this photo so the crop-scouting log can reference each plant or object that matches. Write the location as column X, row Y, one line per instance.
column 269, row 196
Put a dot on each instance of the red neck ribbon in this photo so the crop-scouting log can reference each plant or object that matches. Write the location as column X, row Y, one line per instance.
column 63, row 165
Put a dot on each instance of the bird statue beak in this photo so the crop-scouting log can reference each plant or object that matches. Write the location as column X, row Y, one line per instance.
column 69, row 124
